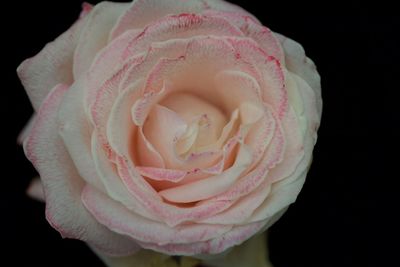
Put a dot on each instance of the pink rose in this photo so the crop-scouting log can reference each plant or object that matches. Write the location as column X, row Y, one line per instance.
column 184, row 127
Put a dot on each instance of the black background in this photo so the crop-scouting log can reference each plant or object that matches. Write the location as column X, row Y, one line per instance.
column 345, row 212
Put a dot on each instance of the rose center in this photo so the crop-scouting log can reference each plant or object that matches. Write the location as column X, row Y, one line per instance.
column 204, row 121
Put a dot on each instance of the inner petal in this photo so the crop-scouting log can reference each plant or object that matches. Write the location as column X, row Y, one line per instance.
column 162, row 128
column 205, row 120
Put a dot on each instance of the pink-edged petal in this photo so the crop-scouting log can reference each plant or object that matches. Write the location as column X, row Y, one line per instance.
column 35, row 190
column 103, row 100
column 272, row 74
column 260, row 136
column 160, row 174
column 148, row 197
column 294, row 148
column 182, row 61
column 158, row 51
column 76, row 131
column 120, row 220
column 120, row 129
column 26, row 130
column 144, row 12
column 112, row 182
column 298, row 63
column 94, row 35
column 181, row 26
column 51, row 66
column 240, row 212
column 106, row 62
column 211, row 186
column 253, row 29
column 236, row 236
column 126, row 139
column 62, row 184
column 142, row 106
column 86, row 8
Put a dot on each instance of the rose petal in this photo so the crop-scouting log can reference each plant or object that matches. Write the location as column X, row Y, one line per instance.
column 146, row 153
column 312, row 115
column 234, row 87
column 273, row 77
column 148, row 197
column 142, row 106
column 298, row 63
column 113, row 184
column 104, row 98
column 240, row 212
column 75, row 131
column 144, row 12
column 161, row 174
column 106, row 60
column 273, row 155
column 280, row 197
column 181, row 26
column 94, row 35
column 260, row 136
column 62, row 184
column 51, row 66
column 166, row 123
column 120, row 220
column 294, row 148
column 253, row 29
column 211, row 186
column 236, row 236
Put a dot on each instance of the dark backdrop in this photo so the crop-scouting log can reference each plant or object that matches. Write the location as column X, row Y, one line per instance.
column 343, row 214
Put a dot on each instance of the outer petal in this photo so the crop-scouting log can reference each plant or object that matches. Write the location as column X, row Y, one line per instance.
column 282, row 195
column 240, row 212
column 119, row 219
column 95, row 34
column 51, row 66
column 76, row 132
column 310, row 98
column 236, row 236
column 62, row 184
column 113, row 184
column 298, row 63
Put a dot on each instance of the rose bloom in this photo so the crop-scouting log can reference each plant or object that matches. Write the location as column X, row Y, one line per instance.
column 183, row 127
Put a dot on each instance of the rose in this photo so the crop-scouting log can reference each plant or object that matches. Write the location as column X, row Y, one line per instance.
column 183, row 127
